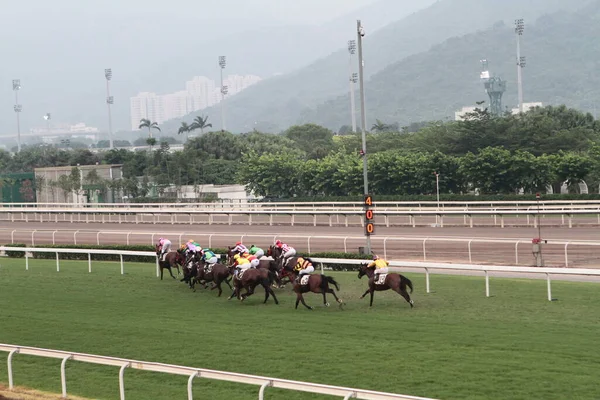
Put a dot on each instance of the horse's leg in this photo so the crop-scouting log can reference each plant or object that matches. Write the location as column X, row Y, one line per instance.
column 161, row 273
column 303, row 302
column 406, row 296
column 297, row 300
column 325, row 303
column 266, row 295
column 273, row 294
column 372, row 293
column 330, row 290
column 227, row 282
column 171, row 272
column 365, row 293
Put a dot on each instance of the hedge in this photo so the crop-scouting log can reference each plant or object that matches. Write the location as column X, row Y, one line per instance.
column 115, row 257
column 443, row 197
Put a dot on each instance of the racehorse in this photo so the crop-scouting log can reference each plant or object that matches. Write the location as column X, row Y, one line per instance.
column 251, row 278
column 316, row 284
column 172, row 259
column 277, row 254
column 270, row 264
column 219, row 273
column 396, row 282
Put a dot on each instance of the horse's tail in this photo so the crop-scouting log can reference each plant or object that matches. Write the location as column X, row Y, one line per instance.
column 404, row 281
column 329, row 279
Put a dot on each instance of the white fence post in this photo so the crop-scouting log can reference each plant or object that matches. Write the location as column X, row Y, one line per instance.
column 121, row 382
column 157, row 267
column 470, row 258
column 189, row 385
column 566, row 255
column 424, row 252
column 261, row 392
column 90, row 263
column 98, row 238
column 53, row 235
column 57, row 263
column 345, row 244
column 122, row 268
column 33, row 237
column 75, row 237
column 12, row 237
column 308, row 244
column 385, row 248
column 128, row 234
column 9, row 367
column 549, row 287
column 351, row 395
column 517, row 252
column 63, row 376
column 487, row 284
column 26, row 262
column 427, row 280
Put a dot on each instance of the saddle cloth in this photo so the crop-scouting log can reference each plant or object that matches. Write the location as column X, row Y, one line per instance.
column 208, row 268
column 381, row 279
column 304, row 279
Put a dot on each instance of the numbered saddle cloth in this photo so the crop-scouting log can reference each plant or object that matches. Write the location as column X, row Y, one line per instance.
column 381, row 279
column 304, row 279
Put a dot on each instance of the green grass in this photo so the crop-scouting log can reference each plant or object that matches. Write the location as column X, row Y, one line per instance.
column 455, row 344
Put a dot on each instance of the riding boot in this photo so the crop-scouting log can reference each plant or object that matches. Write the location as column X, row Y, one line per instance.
column 376, row 277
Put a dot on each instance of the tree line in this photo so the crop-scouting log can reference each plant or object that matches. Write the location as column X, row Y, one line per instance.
column 527, row 152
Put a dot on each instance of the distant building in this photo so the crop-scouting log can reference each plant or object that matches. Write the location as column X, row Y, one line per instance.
column 91, row 190
column 200, row 93
column 527, row 107
column 460, row 115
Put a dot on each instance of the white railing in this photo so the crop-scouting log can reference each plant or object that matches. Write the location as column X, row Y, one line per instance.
column 318, row 205
column 89, row 253
column 512, row 248
column 292, row 217
column 262, row 381
column 426, row 267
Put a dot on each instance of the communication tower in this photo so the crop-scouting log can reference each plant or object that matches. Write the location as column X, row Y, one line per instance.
column 494, row 87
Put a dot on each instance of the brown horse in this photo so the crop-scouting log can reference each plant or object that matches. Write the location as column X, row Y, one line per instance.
column 316, row 284
column 396, row 282
column 219, row 273
column 272, row 265
column 251, row 278
column 172, row 260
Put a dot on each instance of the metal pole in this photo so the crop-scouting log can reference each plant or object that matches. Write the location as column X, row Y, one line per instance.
column 109, row 101
column 18, row 112
column 222, row 64
column 519, row 31
column 437, row 188
column 351, row 49
column 360, row 33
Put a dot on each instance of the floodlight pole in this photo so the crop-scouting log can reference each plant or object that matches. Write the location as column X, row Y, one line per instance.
column 18, row 108
column 360, row 32
column 519, row 29
column 222, row 64
column 109, row 102
column 353, row 78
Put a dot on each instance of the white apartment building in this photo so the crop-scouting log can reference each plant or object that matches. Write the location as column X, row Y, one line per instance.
column 200, row 93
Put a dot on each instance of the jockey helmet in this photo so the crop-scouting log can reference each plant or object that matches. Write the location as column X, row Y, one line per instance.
column 161, row 239
column 278, row 242
column 238, row 243
column 191, row 241
column 375, row 257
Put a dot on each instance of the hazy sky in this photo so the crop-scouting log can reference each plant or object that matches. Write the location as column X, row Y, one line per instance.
column 59, row 48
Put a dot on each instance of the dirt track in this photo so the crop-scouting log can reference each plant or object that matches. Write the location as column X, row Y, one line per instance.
column 27, row 394
column 499, row 247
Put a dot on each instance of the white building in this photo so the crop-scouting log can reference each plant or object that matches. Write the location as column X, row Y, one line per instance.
column 200, row 93
column 460, row 115
column 527, row 107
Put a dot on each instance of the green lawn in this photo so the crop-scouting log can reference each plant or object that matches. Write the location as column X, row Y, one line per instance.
column 455, row 343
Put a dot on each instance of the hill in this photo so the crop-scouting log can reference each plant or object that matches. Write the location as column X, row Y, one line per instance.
column 279, row 102
column 562, row 60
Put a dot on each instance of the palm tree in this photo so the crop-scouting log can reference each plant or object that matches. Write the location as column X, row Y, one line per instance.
column 146, row 123
column 379, row 126
column 200, row 123
column 184, row 128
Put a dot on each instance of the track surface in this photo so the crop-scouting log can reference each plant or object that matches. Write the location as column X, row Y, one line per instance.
column 437, row 249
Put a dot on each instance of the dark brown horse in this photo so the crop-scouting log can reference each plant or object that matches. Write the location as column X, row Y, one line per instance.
column 251, row 278
column 218, row 274
column 272, row 265
column 172, row 260
column 316, row 284
column 396, row 282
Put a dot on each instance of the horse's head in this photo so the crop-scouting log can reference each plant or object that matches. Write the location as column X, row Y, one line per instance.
column 157, row 249
column 362, row 270
column 274, row 252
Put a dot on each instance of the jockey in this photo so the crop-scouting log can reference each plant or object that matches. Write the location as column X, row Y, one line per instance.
column 209, row 258
column 241, row 263
column 379, row 265
column 239, row 248
column 191, row 250
column 287, row 252
column 254, row 261
column 164, row 246
column 256, row 251
column 303, row 267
